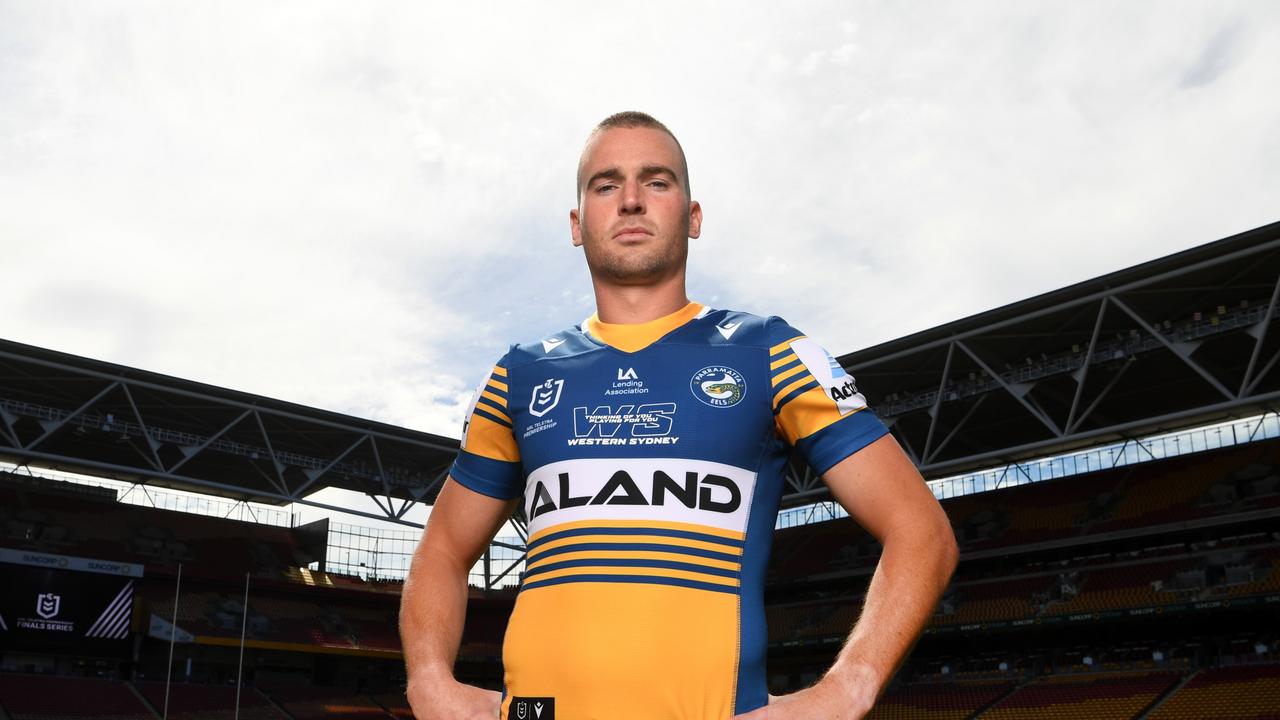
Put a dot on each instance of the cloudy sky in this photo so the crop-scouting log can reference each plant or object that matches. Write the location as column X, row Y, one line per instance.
column 357, row 206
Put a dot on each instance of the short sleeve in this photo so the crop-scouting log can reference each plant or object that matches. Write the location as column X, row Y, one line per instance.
column 488, row 460
column 816, row 404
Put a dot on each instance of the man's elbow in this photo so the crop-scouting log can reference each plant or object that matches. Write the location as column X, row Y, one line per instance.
column 948, row 549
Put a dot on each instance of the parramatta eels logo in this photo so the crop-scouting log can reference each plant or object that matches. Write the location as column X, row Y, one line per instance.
column 718, row 386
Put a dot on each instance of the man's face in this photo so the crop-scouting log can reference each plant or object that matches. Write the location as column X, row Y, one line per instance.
column 634, row 217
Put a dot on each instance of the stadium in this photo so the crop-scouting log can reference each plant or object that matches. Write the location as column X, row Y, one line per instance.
column 1108, row 455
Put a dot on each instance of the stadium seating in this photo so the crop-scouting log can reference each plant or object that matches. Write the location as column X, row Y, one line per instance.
column 210, row 702
column 40, row 697
column 1231, row 693
column 319, row 703
column 1118, row 696
column 938, row 701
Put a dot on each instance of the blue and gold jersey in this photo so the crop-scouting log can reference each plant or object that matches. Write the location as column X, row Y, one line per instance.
column 650, row 460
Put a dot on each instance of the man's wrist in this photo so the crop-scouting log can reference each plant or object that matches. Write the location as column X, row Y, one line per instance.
column 859, row 682
column 429, row 676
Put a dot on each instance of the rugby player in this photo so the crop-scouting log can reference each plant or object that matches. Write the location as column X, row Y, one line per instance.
column 646, row 449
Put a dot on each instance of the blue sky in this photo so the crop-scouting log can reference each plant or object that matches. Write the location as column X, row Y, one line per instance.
column 357, row 206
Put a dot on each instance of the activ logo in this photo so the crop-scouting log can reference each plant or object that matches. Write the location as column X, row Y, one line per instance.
column 718, row 386
column 835, row 382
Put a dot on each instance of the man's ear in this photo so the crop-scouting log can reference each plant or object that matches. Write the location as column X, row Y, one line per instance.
column 575, row 227
column 695, row 218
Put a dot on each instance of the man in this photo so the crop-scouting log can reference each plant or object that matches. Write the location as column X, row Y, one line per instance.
column 646, row 449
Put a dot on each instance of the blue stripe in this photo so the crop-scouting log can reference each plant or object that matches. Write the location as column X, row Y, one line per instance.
column 646, row 579
column 652, row 547
column 486, row 414
column 661, row 532
column 634, row 562
column 796, row 393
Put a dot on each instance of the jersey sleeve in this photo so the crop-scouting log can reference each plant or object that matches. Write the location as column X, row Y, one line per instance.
column 488, row 460
column 816, row 405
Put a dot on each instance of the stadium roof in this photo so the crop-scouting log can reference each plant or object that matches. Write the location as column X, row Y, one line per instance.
column 1177, row 341
column 80, row 415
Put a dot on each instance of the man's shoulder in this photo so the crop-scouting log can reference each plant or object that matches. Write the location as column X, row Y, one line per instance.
column 565, row 343
column 737, row 327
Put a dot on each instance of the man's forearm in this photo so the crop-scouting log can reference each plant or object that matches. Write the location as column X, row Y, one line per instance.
column 913, row 571
column 433, row 609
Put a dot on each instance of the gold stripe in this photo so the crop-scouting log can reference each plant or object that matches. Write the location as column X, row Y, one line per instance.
column 783, row 392
column 777, row 379
column 782, row 361
column 495, row 398
column 656, row 572
column 783, row 345
column 633, row 555
column 499, row 385
column 676, row 543
column 493, row 410
column 658, row 524
column 499, row 371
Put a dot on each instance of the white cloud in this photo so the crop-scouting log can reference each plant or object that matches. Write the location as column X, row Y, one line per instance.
column 358, row 206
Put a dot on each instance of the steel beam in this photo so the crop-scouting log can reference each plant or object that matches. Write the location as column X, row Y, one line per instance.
column 226, row 402
column 1035, row 412
column 279, row 482
column 154, row 459
column 56, row 425
column 1259, row 334
column 112, row 468
column 936, row 410
column 1083, row 373
column 1185, row 356
column 1058, row 307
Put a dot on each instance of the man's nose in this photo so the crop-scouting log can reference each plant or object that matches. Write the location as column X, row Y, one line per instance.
column 632, row 202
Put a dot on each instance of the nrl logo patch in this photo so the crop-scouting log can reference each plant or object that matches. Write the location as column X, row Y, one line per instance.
column 545, row 397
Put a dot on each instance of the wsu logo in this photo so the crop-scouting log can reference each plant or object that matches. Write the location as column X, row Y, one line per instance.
column 47, row 605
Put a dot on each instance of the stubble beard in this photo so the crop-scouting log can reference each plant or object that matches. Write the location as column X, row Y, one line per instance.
column 620, row 265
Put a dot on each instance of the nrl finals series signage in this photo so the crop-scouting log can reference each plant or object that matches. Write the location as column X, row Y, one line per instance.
column 56, row 602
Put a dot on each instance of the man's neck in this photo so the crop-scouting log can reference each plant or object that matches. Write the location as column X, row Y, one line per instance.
column 631, row 304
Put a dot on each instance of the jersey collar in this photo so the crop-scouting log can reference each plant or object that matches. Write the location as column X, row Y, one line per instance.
column 632, row 337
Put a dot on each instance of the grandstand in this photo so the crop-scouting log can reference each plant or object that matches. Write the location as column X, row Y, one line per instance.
column 1120, row 551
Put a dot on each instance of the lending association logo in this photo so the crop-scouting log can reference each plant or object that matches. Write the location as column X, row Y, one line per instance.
column 47, row 605
column 718, row 386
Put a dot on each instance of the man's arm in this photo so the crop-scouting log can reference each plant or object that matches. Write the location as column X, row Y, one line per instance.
column 434, row 603
column 883, row 492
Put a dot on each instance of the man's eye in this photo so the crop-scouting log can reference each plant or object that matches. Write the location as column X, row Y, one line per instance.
column 605, row 188
column 660, row 184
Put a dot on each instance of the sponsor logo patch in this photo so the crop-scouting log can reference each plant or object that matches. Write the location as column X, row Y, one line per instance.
column 835, row 382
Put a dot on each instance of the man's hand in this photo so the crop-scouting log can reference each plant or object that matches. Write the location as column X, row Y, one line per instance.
column 449, row 699
column 837, row 696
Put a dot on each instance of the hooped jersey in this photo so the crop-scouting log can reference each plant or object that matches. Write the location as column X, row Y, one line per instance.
column 650, row 469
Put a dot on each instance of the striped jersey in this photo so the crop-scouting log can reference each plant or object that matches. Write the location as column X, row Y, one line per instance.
column 650, row 462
